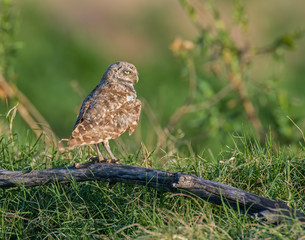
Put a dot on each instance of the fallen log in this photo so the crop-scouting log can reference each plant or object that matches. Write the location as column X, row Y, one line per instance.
column 214, row 192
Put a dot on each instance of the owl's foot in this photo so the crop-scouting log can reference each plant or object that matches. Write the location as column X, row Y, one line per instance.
column 98, row 160
column 94, row 160
column 104, row 160
column 115, row 161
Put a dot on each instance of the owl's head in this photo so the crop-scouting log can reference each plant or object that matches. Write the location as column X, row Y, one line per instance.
column 122, row 72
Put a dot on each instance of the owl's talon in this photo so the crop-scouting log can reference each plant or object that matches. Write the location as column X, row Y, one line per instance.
column 97, row 160
column 115, row 161
column 109, row 161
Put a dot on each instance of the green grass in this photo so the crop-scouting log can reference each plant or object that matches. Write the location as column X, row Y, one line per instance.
column 56, row 69
column 92, row 210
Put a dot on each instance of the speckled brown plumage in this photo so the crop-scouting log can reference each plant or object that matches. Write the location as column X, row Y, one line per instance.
column 109, row 110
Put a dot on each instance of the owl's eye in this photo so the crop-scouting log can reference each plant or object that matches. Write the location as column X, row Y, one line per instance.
column 127, row 72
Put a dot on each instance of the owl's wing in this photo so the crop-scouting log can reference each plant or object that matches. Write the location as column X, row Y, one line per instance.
column 84, row 108
column 87, row 104
column 136, row 111
column 83, row 128
column 113, row 123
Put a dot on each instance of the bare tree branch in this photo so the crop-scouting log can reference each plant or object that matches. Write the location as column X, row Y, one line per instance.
column 214, row 192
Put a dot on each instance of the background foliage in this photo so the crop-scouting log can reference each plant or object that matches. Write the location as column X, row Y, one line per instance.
column 57, row 66
column 221, row 83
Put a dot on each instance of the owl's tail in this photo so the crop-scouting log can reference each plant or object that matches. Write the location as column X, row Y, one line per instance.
column 73, row 142
column 76, row 141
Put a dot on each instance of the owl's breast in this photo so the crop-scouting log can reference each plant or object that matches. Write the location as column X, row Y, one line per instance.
column 130, row 98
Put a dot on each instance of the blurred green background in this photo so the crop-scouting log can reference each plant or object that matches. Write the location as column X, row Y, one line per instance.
column 64, row 47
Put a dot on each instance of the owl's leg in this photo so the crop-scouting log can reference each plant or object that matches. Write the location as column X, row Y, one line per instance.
column 99, row 154
column 107, row 147
column 98, row 159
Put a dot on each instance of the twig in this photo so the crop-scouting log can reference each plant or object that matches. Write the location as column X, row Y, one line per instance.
column 12, row 112
column 297, row 127
column 212, row 24
column 237, row 82
column 214, row 192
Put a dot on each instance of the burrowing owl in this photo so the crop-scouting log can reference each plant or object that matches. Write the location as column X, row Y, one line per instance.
column 109, row 110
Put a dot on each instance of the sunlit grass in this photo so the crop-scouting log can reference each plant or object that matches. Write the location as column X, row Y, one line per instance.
column 56, row 70
column 93, row 210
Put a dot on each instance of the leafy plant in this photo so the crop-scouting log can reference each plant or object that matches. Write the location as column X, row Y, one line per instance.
column 224, row 96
